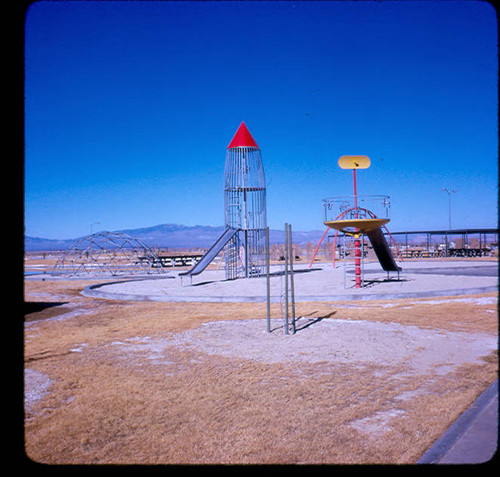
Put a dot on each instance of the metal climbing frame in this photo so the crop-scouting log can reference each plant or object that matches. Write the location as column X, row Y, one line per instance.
column 245, row 209
column 107, row 254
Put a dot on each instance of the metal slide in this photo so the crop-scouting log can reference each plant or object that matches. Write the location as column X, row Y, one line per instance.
column 228, row 234
column 383, row 251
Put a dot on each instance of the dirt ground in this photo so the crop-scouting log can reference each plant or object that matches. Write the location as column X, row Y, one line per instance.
column 122, row 382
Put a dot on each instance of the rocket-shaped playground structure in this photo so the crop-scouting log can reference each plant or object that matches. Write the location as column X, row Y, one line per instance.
column 245, row 206
column 244, row 238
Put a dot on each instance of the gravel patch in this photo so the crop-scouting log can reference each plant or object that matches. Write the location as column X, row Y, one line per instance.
column 422, row 351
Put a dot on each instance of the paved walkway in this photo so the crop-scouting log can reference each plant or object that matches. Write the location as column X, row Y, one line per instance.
column 473, row 437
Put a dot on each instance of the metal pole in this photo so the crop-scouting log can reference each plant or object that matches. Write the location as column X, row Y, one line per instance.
column 449, row 192
column 317, row 247
column 334, row 250
column 290, row 245
column 268, row 283
column 344, row 258
column 357, row 260
column 92, row 227
column 357, row 243
column 286, row 278
column 355, row 189
column 246, row 252
column 449, row 211
column 363, row 260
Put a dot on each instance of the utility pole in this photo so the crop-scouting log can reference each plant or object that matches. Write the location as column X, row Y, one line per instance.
column 92, row 227
column 449, row 217
column 449, row 204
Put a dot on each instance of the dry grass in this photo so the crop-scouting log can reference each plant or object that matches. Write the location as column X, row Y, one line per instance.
column 107, row 405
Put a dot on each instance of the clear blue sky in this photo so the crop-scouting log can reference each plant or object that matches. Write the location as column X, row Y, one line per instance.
column 130, row 107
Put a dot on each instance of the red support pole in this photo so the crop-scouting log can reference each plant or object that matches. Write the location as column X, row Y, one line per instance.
column 357, row 261
column 357, row 242
column 395, row 244
column 355, row 189
column 317, row 247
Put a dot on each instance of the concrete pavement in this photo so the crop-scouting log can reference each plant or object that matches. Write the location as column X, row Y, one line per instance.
column 473, row 437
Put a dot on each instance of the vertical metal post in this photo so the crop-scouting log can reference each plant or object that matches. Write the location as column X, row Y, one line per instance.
column 344, row 258
column 363, row 262
column 355, row 187
column 247, row 251
column 292, row 288
column 449, row 210
column 286, row 278
column 334, row 250
column 268, row 282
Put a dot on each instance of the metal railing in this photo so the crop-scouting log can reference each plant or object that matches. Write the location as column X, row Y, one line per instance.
column 359, row 206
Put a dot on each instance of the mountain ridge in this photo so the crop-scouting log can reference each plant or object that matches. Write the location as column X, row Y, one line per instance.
column 170, row 236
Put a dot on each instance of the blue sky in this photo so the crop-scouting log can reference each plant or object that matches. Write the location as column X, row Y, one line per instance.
column 129, row 108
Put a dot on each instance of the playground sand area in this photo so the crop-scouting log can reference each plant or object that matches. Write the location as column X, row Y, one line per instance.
column 147, row 382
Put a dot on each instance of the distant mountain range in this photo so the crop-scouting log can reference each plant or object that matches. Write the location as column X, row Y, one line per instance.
column 171, row 236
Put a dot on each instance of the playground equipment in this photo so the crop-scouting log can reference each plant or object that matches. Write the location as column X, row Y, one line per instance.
column 107, row 254
column 354, row 217
column 287, row 297
column 244, row 211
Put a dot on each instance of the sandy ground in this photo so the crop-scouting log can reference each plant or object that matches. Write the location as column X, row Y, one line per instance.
column 360, row 342
column 322, row 282
column 330, row 341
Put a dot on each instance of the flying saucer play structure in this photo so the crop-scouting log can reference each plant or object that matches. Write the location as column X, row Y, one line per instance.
column 357, row 216
column 243, row 241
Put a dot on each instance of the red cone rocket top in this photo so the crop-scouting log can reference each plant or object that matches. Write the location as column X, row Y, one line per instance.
column 243, row 138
